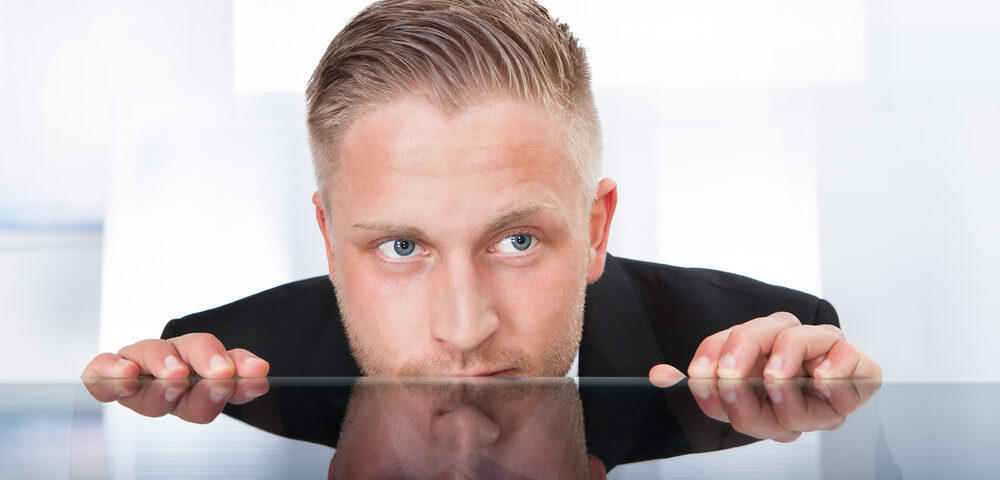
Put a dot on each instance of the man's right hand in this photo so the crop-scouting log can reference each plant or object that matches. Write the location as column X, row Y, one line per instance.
column 177, row 357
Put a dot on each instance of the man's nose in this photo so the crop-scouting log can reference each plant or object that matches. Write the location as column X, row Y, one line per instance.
column 464, row 318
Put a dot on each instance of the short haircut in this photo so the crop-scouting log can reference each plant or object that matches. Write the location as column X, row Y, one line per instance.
column 452, row 53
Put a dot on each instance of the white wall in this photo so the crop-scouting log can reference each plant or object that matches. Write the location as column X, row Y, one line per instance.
column 49, row 303
column 908, row 167
column 842, row 148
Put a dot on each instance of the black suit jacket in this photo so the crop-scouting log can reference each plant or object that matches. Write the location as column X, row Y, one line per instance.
column 638, row 314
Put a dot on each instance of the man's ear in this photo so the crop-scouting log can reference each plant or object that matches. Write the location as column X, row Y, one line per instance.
column 321, row 221
column 601, row 213
column 597, row 470
column 329, row 472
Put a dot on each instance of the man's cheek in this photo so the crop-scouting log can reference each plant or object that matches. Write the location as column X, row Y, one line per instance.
column 387, row 310
column 531, row 298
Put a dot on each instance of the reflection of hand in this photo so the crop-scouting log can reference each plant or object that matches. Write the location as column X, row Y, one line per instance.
column 176, row 358
column 199, row 402
column 783, row 409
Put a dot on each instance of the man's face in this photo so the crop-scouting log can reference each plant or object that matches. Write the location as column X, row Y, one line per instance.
column 460, row 245
column 460, row 429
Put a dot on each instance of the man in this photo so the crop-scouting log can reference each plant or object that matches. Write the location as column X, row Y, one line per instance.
column 457, row 156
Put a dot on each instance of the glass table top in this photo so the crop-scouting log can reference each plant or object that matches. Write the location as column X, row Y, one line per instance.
column 498, row 428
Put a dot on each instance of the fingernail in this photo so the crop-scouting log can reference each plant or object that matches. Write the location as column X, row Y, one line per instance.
column 728, row 394
column 823, row 369
column 728, row 363
column 171, row 394
column 123, row 364
column 824, row 391
column 121, row 392
column 252, row 395
column 171, row 363
column 700, row 391
column 217, row 394
column 251, row 361
column 701, row 365
column 218, row 364
column 774, row 391
column 773, row 367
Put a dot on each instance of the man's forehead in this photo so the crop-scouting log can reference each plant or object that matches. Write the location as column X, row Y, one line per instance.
column 411, row 136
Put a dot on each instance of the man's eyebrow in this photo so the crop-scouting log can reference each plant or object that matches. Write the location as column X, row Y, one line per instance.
column 392, row 229
column 406, row 231
column 516, row 215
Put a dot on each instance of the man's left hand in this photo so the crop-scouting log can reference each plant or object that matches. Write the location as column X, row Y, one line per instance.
column 776, row 346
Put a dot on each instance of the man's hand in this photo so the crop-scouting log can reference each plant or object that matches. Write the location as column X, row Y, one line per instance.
column 197, row 403
column 779, row 346
column 177, row 357
column 787, row 409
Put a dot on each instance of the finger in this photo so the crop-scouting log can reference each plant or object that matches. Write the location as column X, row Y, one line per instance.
column 205, row 354
column 706, row 394
column 247, row 364
column 248, row 389
column 156, row 357
column 157, row 397
column 798, row 412
column 205, row 401
column 846, row 395
column 844, row 361
column 109, row 365
column 664, row 375
column 796, row 345
column 706, row 358
column 111, row 389
column 750, row 342
column 749, row 414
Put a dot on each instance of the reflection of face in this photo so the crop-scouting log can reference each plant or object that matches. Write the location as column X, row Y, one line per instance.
column 484, row 429
column 459, row 243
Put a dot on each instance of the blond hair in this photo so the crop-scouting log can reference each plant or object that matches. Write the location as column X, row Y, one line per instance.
column 452, row 53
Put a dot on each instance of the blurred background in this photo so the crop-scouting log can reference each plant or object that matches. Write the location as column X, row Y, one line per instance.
column 154, row 161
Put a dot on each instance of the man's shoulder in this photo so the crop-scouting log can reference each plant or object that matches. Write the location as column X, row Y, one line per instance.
column 295, row 326
column 679, row 307
column 699, row 286
column 309, row 295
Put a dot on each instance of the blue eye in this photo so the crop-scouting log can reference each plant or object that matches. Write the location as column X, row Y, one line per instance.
column 403, row 247
column 515, row 243
column 400, row 248
column 521, row 241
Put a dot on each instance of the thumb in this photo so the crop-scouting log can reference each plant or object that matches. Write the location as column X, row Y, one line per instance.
column 664, row 375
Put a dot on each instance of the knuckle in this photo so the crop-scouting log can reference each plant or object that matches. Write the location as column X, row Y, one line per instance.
column 832, row 330
column 740, row 333
column 788, row 336
column 202, row 342
column 794, row 423
column 239, row 352
column 741, row 424
column 786, row 318
column 104, row 358
column 836, row 423
column 131, row 347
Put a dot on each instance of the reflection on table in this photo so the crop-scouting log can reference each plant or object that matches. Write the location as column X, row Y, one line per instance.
column 502, row 428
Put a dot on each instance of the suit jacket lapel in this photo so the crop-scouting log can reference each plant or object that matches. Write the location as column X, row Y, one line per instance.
column 617, row 339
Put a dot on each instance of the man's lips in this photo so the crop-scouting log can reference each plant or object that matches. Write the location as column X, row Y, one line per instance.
column 507, row 372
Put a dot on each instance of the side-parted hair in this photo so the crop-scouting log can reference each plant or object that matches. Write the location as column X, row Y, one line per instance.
column 453, row 53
